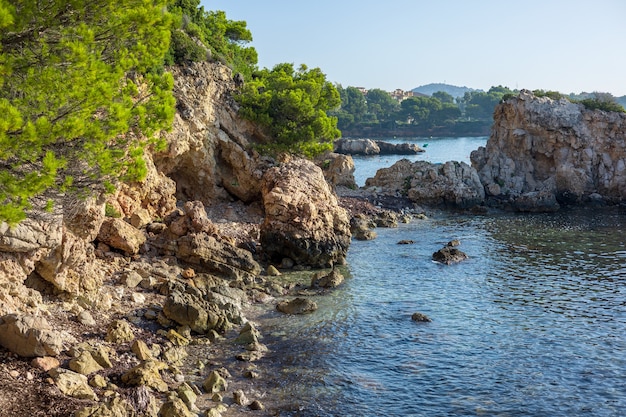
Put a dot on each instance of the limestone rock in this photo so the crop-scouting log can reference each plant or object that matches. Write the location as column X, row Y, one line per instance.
column 303, row 220
column 72, row 384
column 450, row 184
column 141, row 350
column 357, row 147
column 331, row 280
column 115, row 407
column 256, row 405
column 297, row 306
column 543, row 153
column 248, row 334
column 45, row 363
column 191, row 310
column 338, row 169
column 208, row 149
column 84, row 364
column 120, row 331
column 121, row 235
column 239, row 397
column 214, row 383
column 175, row 408
column 211, row 255
column 147, row 373
column 29, row 336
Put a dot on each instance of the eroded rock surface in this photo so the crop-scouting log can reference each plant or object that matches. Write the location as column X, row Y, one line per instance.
column 453, row 184
column 303, row 220
column 543, row 153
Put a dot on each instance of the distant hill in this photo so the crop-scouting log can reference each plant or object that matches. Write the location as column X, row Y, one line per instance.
column 453, row 90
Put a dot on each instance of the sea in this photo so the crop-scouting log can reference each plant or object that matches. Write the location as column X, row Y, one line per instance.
column 533, row 323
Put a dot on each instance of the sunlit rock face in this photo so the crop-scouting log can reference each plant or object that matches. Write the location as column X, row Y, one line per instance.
column 544, row 153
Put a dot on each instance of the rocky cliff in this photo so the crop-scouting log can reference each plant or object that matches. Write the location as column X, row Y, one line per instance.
column 179, row 252
column 544, row 153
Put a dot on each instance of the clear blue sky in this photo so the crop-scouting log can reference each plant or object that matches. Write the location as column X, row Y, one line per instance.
column 563, row 45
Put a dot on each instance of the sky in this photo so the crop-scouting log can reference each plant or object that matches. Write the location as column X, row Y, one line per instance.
column 570, row 46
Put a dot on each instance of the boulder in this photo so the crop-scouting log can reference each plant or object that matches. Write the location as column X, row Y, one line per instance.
column 303, row 220
column 72, row 384
column 297, row 306
column 29, row 336
column 175, row 407
column 449, row 255
column 357, row 147
column 120, row 235
column 199, row 313
column 120, row 331
column 331, row 280
column 84, row 364
column 147, row 373
column 420, row 318
column 211, row 255
column 214, row 383
column 114, row 407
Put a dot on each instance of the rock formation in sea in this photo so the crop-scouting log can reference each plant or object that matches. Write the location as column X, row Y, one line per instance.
column 375, row 147
column 544, row 153
column 452, row 184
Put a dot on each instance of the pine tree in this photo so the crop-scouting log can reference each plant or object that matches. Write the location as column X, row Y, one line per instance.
column 81, row 82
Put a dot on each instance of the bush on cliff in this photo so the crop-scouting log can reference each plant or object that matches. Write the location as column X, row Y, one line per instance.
column 195, row 31
column 292, row 106
column 78, row 90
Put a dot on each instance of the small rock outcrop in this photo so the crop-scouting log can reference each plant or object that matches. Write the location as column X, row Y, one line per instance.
column 543, row 153
column 452, row 184
column 303, row 220
column 449, row 255
column 375, row 147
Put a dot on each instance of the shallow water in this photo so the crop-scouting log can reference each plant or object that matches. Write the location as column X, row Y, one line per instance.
column 532, row 324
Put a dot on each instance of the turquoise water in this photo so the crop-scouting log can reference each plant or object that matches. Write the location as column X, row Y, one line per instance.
column 438, row 150
column 532, row 324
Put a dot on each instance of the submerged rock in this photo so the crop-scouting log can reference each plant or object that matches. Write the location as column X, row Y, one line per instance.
column 420, row 317
column 297, row 306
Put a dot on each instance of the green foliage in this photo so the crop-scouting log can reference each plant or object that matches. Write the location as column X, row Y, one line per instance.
column 292, row 106
column 195, row 31
column 599, row 104
column 554, row 95
column 77, row 87
column 110, row 211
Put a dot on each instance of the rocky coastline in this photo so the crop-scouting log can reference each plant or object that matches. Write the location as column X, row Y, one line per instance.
column 140, row 303
column 148, row 301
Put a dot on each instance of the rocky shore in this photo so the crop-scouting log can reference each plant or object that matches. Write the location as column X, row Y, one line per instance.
column 147, row 302
column 139, row 303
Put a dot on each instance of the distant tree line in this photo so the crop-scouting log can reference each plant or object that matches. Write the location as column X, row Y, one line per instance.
column 378, row 111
